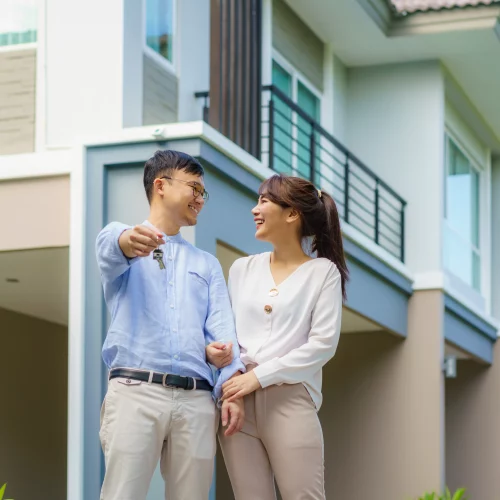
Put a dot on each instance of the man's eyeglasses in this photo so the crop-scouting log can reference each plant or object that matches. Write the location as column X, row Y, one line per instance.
column 197, row 189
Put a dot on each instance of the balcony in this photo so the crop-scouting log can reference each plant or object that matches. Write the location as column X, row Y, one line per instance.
column 292, row 142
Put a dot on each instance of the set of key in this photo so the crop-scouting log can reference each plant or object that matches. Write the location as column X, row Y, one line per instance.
column 158, row 256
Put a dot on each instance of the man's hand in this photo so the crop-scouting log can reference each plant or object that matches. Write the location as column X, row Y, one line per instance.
column 140, row 241
column 233, row 416
column 219, row 354
column 237, row 387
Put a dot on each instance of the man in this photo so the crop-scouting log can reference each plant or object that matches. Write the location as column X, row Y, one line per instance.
column 167, row 301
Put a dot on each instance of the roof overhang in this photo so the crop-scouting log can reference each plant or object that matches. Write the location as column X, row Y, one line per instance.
column 466, row 41
column 393, row 24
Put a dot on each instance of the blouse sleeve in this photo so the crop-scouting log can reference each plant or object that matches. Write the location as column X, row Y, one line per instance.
column 305, row 361
column 233, row 278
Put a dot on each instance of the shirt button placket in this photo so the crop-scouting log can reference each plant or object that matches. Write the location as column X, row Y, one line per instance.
column 174, row 342
column 269, row 311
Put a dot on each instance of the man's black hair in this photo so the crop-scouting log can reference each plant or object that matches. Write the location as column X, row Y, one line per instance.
column 165, row 163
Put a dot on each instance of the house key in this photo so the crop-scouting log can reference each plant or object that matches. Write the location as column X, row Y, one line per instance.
column 158, row 256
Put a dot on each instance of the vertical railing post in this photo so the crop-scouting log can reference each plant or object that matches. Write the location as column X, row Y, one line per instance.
column 312, row 146
column 346, row 189
column 205, row 109
column 377, row 217
column 271, row 131
column 402, row 243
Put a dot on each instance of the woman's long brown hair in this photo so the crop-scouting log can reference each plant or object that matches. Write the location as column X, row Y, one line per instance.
column 319, row 215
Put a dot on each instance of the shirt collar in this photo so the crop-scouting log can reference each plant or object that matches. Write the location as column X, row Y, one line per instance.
column 177, row 238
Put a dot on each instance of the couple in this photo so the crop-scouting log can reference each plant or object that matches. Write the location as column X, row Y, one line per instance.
column 171, row 315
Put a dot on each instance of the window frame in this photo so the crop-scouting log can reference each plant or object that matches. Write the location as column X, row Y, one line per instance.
column 296, row 77
column 479, row 250
column 151, row 53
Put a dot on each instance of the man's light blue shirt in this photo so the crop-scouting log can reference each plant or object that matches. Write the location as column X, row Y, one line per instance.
column 162, row 319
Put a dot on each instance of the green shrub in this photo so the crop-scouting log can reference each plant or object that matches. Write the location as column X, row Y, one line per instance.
column 2, row 491
column 458, row 495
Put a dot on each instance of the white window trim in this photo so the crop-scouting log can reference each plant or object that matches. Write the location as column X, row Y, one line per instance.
column 170, row 66
column 267, row 42
column 484, row 171
column 462, row 146
column 296, row 76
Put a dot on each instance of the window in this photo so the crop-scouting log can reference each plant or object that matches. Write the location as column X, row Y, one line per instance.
column 462, row 218
column 310, row 104
column 160, row 27
column 282, row 122
column 292, row 132
column 18, row 19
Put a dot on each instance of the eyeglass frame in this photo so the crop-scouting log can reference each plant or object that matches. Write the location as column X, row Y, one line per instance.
column 196, row 190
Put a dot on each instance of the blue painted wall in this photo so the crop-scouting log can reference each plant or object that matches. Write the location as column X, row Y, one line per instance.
column 468, row 331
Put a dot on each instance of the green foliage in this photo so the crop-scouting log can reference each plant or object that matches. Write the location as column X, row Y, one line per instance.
column 458, row 495
column 2, row 491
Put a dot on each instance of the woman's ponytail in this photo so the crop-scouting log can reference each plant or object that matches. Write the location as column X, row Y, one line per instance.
column 328, row 239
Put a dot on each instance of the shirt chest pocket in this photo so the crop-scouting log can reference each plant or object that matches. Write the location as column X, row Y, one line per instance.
column 197, row 287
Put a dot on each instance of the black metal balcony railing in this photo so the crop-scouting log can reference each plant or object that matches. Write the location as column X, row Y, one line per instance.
column 294, row 143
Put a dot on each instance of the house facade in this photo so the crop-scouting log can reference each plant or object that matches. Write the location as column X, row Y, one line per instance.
column 390, row 106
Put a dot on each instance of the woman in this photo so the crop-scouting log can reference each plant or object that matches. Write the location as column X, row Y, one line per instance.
column 287, row 309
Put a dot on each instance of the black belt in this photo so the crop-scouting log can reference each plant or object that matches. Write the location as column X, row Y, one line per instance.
column 165, row 379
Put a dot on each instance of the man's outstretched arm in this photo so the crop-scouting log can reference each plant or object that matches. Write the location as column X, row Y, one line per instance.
column 117, row 246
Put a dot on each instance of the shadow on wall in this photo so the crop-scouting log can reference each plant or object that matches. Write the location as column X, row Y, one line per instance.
column 33, row 420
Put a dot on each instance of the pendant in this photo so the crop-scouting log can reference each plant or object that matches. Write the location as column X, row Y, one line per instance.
column 273, row 292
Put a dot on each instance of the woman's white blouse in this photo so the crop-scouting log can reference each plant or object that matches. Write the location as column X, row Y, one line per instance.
column 291, row 330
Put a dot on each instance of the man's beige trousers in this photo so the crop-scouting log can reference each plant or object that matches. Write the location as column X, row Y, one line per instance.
column 281, row 437
column 143, row 423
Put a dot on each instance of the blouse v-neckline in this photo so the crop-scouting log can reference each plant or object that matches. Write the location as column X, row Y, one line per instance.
column 273, row 281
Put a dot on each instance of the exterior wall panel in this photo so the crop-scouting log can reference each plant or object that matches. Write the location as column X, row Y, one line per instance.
column 17, row 101
column 160, row 94
column 295, row 41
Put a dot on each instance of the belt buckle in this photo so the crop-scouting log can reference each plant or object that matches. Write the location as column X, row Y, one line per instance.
column 164, row 381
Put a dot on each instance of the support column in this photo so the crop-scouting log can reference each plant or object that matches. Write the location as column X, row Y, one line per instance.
column 383, row 415
column 472, row 430
column 473, row 398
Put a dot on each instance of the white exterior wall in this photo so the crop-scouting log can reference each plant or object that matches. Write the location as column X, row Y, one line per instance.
column 93, row 73
column 87, row 63
column 193, row 56
column 339, row 99
column 395, row 124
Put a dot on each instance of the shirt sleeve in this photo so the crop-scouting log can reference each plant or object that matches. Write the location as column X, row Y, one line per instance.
column 219, row 325
column 111, row 260
column 305, row 361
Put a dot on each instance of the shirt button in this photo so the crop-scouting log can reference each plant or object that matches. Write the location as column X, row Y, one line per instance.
column 171, row 283
column 176, row 356
column 174, row 329
column 171, row 306
column 170, row 257
column 268, row 309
